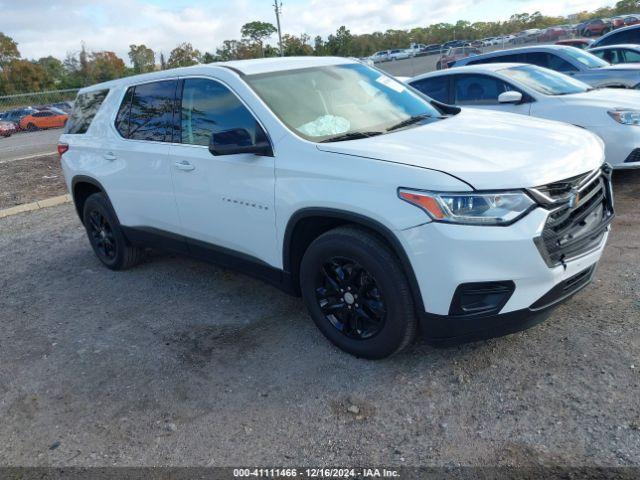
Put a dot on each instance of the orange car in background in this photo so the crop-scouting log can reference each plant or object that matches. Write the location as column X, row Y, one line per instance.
column 44, row 119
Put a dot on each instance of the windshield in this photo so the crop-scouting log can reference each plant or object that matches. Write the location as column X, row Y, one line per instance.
column 319, row 103
column 585, row 58
column 548, row 82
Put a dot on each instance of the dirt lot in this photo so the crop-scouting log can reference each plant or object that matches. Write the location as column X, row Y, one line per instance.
column 31, row 179
column 181, row 363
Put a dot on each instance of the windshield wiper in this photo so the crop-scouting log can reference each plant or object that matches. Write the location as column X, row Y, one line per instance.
column 350, row 136
column 409, row 121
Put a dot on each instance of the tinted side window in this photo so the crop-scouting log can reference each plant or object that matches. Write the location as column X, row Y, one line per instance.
column 548, row 60
column 122, row 119
column 631, row 56
column 437, row 88
column 85, row 109
column 629, row 36
column 478, row 90
column 151, row 116
column 611, row 55
column 208, row 107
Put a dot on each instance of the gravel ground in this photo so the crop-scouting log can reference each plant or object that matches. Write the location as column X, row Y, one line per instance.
column 181, row 363
column 31, row 179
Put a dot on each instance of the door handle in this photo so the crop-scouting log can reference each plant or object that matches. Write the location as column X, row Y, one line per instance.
column 184, row 165
column 109, row 156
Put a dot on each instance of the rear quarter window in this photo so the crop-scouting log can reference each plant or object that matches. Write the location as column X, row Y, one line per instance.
column 85, row 109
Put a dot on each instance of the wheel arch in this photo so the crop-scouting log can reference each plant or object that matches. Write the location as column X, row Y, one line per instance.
column 82, row 187
column 307, row 224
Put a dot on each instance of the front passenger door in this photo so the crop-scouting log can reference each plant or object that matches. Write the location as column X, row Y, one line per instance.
column 223, row 200
column 482, row 91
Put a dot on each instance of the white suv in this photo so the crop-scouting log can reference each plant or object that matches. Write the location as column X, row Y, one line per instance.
column 385, row 210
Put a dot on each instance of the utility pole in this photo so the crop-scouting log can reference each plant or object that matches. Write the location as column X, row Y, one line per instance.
column 278, row 8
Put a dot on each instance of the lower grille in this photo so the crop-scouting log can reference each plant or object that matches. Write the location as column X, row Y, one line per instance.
column 580, row 215
column 564, row 289
column 634, row 156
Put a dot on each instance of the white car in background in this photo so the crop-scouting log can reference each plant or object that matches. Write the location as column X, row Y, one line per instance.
column 398, row 54
column 613, row 114
column 381, row 56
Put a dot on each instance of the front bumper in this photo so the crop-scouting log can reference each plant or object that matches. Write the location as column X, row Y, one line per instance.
column 447, row 330
column 620, row 141
column 444, row 257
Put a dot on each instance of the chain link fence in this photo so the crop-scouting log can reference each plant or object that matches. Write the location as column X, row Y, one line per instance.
column 39, row 99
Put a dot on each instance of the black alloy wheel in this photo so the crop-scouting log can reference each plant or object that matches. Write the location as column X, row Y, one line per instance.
column 357, row 292
column 101, row 236
column 350, row 299
column 106, row 236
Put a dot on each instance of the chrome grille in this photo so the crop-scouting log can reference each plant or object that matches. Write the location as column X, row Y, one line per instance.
column 581, row 209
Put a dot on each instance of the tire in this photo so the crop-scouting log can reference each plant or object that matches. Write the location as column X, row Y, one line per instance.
column 31, row 127
column 384, row 321
column 106, row 236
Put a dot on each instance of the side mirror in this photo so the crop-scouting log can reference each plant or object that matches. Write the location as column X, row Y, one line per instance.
column 510, row 97
column 238, row 140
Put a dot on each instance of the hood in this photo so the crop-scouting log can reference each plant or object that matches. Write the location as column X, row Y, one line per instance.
column 486, row 149
column 608, row 98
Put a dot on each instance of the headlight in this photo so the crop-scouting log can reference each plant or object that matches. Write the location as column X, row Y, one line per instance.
column 626, row 117
column 474, row 208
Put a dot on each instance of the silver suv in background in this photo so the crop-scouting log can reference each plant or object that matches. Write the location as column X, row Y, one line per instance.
column 568, row 60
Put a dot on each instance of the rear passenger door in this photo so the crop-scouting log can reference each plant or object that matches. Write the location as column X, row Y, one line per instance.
column 226, row 202
column 137, row 164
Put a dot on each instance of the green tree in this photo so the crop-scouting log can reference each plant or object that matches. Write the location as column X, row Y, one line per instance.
column 8, row 50
column 104, row 66
column 340, row 43
column 258, row 32
column 142, row 58
column 23, row 76
column 293, row 45
column 54, row 69
column 184, row 55
column 237, row 50
column 208, row 57
column 318, row 46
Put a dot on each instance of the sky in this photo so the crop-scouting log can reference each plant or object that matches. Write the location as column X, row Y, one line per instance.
column 50, row 27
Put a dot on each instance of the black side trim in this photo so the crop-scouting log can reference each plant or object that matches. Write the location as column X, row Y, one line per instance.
column 160, row 239
column 357, row 219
